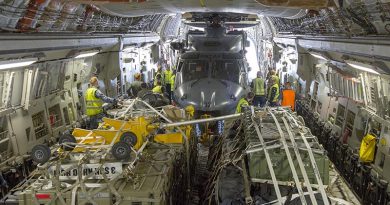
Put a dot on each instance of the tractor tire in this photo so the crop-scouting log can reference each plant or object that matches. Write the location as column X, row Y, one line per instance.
column 40, row 153
column 67, row 138
column 129, row 137
column 121, row 151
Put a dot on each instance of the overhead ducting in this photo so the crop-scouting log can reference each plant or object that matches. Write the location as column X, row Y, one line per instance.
column 62, row 16
column 298, row 3
column 131, row 9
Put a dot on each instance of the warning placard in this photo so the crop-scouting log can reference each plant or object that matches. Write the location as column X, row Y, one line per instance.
column 95, row 171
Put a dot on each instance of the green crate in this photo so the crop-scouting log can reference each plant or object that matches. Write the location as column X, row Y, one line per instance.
column 151, row 182
column 258, row 167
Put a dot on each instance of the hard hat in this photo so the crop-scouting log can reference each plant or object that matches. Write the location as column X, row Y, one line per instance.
column 137, row 76
column 93, row 80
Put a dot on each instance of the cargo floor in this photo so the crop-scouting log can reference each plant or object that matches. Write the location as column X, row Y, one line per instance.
column 201, row 174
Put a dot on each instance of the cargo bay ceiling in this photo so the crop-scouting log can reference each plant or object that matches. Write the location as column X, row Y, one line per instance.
column 344, row 17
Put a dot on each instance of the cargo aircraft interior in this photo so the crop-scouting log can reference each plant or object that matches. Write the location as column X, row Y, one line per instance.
column 194, row 102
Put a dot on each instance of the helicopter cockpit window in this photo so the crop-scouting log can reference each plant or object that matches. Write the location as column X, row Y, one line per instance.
column 195, row 69
column 226, row 70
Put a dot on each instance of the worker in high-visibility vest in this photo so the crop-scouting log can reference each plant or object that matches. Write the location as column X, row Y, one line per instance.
column 167, row 81
column 288, row 96
column 273, row 92
column 190, row 110
column 94, row 100
column 244, row 101
column 135, row 86
column 173, row 78
column 158, row 88
column 277, row 79
column 157, row 75
column 274, row 74
column 258, row 85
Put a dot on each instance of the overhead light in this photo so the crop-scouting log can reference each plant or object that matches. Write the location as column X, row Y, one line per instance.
column 15, row 63
column 319, row 55
column 362, row 67
column 86, row 54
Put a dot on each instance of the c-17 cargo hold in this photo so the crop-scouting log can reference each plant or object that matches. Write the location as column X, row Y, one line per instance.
column 194, row 102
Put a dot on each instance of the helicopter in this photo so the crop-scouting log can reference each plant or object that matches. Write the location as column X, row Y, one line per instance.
column 212, row 71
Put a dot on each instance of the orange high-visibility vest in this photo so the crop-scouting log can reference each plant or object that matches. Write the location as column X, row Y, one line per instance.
column 289, row 98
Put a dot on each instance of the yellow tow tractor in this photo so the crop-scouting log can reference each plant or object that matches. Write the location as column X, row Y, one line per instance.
column 121, row 136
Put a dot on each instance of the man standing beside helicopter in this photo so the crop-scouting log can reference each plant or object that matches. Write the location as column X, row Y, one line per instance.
column 173, row 78
column 157, row 75
column 273, row 91
column 258, row 85
column 167, row 81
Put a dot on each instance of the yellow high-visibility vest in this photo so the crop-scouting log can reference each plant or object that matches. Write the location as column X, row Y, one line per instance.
column 276, row 97
column 258, row 86
column 276, row 78
column 93, row 104
column 157, row 89
column 242, row 102
column 173, row 82
column 167, row 76
column 155, row 78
